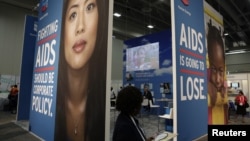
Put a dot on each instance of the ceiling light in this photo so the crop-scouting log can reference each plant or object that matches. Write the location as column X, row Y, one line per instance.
column 226, row 34
column 236, row 51
column 150, row 26
column 117, row 14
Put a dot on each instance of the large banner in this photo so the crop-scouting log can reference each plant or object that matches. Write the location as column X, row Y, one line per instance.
column 44, row 84
column 70, row 67
column 189, row 64
column 81, row 89
column 216, row 67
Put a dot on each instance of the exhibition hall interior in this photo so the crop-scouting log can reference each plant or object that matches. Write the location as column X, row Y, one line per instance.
column 137, row 25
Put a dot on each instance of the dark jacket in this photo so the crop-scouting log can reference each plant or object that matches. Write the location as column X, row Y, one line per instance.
column 149, row 96
column 125, row 129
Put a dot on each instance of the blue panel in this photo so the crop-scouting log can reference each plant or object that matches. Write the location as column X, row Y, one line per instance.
column 191, row 75
column 44, row 84
column 27, row 67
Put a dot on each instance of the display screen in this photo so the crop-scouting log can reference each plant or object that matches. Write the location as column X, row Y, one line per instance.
column 143, row 57
column 235, row 85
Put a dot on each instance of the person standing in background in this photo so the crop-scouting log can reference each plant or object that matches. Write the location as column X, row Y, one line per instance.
column 127, row 127
column 81, row 91
column 13, row 98
column 217, row 89
column 240, row 101
column 119, row 89
column 112, row 97
column 148, row 95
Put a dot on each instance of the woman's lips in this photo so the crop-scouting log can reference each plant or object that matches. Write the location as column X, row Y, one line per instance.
column 79, row 46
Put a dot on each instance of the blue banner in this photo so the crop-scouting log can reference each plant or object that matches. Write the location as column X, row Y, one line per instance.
column 30, row 33
column 191, row 75
column 44, row 83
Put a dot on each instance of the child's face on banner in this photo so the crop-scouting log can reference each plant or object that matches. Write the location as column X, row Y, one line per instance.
column 217, row 66
column 80, row 32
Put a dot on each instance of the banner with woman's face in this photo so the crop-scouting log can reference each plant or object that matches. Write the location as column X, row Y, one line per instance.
column 70, row 70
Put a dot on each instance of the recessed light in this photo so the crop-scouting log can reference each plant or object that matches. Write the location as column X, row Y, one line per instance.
column 150, row 26
column 117, row 14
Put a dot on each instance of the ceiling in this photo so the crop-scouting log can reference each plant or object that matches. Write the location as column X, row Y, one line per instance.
column 137, row 14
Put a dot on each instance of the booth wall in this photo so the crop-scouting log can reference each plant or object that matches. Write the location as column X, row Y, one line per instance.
column 117, row 62
column 12, row 21
column 153, row 77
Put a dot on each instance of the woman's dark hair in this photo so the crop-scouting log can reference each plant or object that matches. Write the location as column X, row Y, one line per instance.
column 95, row 106
column 129, row 99
column 241, row 92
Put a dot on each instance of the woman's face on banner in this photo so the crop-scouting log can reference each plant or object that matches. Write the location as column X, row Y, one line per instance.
column 80, row 32
column 217, row 66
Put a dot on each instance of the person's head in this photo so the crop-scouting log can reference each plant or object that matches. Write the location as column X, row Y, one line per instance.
column 216, row 57
column 146, row 87
column 241, row 93
column 129, row 100
column 84, row 34
column 80, row 31
column 96, row 60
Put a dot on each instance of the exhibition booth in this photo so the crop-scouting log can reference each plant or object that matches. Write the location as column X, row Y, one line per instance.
column 171, row 63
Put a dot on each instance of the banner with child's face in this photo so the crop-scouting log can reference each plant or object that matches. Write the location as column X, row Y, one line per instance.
column 216, row 67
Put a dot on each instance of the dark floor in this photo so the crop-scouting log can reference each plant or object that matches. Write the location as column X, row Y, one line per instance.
column 11, row 130
column 150, row 123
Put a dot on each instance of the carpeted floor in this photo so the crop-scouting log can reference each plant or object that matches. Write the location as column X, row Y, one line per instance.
column 13, row 132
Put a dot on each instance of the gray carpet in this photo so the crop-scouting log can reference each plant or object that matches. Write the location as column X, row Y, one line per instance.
column 13, row 132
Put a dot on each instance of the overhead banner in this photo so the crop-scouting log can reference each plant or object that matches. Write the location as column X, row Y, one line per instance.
column 189, row 64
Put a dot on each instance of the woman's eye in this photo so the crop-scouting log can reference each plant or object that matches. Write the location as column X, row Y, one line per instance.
column 72, row 16
column 90, row 7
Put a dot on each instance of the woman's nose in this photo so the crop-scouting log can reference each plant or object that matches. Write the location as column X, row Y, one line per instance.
column 80, row 25
column 79, row 30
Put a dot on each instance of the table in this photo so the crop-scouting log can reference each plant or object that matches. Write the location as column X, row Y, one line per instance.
column 169, row 136
column 164, row 99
